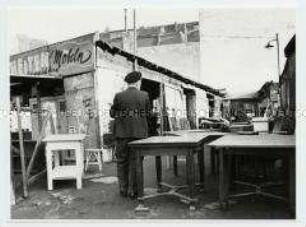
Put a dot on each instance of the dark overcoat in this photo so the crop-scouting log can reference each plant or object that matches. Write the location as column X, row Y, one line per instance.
column 131, row 109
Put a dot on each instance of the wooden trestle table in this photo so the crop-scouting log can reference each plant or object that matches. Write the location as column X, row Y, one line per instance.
column 268, row 145
column 187, row 144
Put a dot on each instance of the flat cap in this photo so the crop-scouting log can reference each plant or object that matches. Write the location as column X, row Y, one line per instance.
column 132, row 77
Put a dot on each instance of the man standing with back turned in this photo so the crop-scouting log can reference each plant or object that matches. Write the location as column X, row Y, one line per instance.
column 130, row 110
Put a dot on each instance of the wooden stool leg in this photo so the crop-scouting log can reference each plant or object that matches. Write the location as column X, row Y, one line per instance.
column 50, row 184
column 99, row 160
column 49, row 169
column 79, row 182
column 56, row 158
column 87, row 161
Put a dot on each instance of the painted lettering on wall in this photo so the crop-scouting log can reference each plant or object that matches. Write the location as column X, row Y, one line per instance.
column 60, row 57
column 65, row 58
column 70, row 58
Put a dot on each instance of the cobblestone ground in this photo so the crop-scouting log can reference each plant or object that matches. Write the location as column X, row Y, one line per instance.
column 99, row 199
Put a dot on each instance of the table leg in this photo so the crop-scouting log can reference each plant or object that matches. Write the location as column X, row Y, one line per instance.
column 228, row 172
column 191, row 179
column 217, row 161
column 212, row 161
column 49, row 168
column 221, row 178
column 291, row 167
column 79, row 181
column 158, row 166
column 139, row 178
column 187, row 171
column 201, row 167
column 175, row 166
column 56, row 155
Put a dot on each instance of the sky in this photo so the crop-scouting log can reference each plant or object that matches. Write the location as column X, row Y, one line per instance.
column 239, row 65
column 56, row 24
column 233, row 46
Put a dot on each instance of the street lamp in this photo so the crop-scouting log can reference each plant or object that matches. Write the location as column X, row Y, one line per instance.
column 268, row 46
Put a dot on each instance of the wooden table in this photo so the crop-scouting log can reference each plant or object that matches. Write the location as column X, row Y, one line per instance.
column 264, row 145
column 187, row 144
column 55, row 145
column 191, row 132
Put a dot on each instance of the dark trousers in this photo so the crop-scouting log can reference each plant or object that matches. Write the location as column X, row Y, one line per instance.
column 126, row 166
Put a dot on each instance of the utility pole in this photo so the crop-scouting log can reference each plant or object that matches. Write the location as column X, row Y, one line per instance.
column 135, row 39
column 125, row 21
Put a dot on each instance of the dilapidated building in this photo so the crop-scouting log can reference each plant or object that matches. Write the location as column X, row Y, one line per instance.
column 287, row 80
column 254, row 104
column 77, row 79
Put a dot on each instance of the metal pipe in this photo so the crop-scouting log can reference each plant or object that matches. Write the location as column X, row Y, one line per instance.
column 278, row 69
column 278, row 61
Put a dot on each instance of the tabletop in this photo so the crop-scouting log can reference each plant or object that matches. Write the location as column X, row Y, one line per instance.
column 255, row 141
column 182, row 139
column 197, row 131
column 64, row 137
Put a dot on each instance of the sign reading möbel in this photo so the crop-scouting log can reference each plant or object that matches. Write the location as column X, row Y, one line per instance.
column 60, row 59
column 72, row 57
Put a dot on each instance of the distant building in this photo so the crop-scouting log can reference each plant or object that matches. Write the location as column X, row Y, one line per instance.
column 253, row 104
column 288, row 89
column 174, row 46
column 287, row 80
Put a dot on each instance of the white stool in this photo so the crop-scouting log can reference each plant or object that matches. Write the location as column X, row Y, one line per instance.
column 93, row 157
column 57, row 145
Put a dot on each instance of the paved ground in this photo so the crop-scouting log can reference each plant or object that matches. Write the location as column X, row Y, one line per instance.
column 100, row 200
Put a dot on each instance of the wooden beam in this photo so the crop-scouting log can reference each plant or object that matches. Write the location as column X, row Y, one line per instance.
column 39, row 109
column 37, row 77
column 32, row 179
column 39, row 140
column 22, row 156
column 36, row 176
column 161, row 128
column 13, row 201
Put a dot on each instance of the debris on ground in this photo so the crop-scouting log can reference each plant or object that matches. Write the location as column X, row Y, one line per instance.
column 102, row 200
column 150, row 191
column 212, row 206
column 88, row 176
column 65, row 199
column 216, row 205
column 105, row 180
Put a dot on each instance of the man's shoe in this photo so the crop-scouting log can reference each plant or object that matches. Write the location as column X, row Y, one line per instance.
column 123, row 193
column 133, row 195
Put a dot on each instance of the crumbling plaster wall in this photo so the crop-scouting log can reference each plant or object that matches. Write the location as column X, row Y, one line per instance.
column 111, row 70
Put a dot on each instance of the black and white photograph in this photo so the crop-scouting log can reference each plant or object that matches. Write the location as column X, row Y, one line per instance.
column 152, row 113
